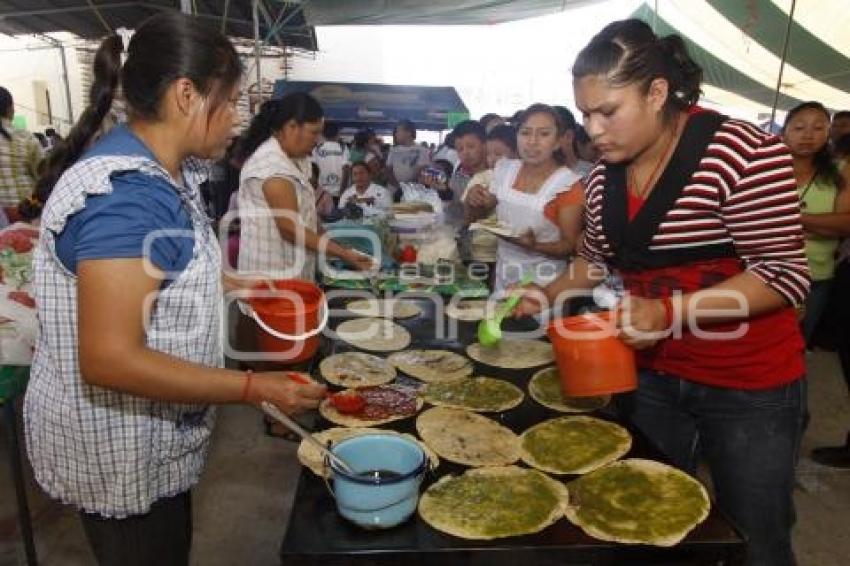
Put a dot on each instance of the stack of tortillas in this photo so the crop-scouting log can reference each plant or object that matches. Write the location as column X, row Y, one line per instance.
column 356, row 369
column 374, row 334
column 637, row 501
column 574, row 444
column 385, row 308
column 545, row 388
column 467, row 438
column 469, row 310
column 489, row 503
column 431, row 365
column 310, row 456
column 479, row 394
column 513, row 354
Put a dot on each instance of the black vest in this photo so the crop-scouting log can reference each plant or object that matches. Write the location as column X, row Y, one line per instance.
column 630, row 241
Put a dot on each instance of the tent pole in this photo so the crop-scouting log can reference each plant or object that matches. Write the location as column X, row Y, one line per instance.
column 224, row 16
column 655, row 18
column 781, row 65
column 65, row 81
column 256, row 14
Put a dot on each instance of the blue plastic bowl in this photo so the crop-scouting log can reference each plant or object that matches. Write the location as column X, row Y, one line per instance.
column 384, row 502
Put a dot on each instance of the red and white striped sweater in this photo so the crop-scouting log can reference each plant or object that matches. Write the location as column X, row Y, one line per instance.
column 738, row 211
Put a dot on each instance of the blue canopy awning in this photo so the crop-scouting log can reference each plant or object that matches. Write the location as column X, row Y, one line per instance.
column 380, row 107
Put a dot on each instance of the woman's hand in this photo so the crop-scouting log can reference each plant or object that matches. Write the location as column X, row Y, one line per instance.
column 359, row 261
column 532, row 300
column 642, row 322
column 280, row 389
column 480, row 198
column 233, row 282
column 526, row 240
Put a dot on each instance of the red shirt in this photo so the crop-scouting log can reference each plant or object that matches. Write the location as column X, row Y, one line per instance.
column 635, row 204
column 766, row 354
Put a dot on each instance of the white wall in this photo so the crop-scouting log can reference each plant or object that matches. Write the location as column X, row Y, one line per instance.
column 23, row 59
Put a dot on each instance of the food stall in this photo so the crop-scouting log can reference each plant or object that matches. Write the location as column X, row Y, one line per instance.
column 316, row 532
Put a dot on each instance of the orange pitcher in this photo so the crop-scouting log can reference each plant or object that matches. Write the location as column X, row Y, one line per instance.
column 591, row 359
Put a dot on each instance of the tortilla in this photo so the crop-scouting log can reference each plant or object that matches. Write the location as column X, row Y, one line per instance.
column 574, row 444
column 432, row 365
column 356, row 369
column 545, row 388
column 494, row 226
column 467, row 438
column 310, row 456
column 327, row 410
column 472, row 310
column 469, row 310
column 346, row 274
column 513, row 354
column 411, row 207
column 384, row 308
column 637, row 501
column 374, row 334
column 490, row 503
column 479, row 394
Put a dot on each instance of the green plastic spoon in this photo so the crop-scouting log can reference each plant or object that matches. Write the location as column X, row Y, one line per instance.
column 490, row 330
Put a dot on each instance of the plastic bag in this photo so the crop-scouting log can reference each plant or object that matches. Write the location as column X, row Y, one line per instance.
column 437, row 244
column 416, row 192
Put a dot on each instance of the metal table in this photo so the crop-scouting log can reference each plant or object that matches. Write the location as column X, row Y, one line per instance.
column 316, row 534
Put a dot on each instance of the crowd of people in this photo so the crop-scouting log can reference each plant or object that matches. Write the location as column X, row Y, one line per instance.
column 654, row 197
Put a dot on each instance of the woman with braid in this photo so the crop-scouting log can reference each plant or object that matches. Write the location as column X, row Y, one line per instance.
column 128, row 284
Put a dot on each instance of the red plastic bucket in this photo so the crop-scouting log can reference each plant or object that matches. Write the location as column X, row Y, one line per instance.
column 591, row 359
column 289, row 318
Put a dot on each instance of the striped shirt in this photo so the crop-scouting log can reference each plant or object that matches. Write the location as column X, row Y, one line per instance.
column 743, row 194
column 19, row 159
column 726, row 203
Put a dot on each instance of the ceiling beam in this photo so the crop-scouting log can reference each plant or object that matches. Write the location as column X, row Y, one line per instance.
column 67, row 10
column 270, row 23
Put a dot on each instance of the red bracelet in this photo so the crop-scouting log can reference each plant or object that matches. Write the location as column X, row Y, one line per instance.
column 669, row 313
column 248, row 376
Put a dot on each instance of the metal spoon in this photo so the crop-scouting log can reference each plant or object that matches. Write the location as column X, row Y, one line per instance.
column 277, row 415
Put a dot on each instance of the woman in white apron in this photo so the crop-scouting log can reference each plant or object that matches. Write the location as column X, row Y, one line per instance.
column 525, row 195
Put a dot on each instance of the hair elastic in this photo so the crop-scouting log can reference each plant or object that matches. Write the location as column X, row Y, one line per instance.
column 125, row 35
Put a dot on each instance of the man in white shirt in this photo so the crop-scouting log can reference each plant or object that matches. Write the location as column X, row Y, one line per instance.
column 374, row 199
column 406, row 158
column 332, row 158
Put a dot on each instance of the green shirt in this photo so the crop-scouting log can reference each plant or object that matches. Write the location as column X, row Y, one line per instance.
column 818, row 197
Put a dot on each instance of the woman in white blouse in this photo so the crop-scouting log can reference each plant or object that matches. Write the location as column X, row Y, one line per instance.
column 277, row 204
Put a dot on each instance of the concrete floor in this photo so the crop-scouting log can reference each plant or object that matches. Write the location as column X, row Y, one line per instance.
column 242, row 503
